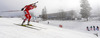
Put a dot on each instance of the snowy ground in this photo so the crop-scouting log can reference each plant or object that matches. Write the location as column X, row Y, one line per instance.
column 9, row 30
column 75, row 25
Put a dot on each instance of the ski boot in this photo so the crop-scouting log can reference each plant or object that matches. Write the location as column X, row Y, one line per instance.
column 29, row 25
column 23, row 25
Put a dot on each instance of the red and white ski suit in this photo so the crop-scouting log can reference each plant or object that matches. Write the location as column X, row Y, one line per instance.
column 26, row 11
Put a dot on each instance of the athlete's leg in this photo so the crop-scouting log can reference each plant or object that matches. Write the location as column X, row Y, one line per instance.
column 29, row 17
column 24, row 21
column 25, row 18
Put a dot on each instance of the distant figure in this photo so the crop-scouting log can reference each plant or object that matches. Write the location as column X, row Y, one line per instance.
column 94, row 28
column 90, row 27
column 48, row 22
column 87, row 28
column 97, row 28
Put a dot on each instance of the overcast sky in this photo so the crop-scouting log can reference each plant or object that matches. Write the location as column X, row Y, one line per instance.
column 51, row 5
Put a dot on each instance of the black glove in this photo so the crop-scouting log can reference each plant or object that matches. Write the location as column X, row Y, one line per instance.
column 22, row 9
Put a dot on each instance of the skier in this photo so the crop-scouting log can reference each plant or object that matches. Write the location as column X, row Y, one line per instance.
column 90, row 27
column 94, row 28
column 26, row 12
column 48, row 22
column 87, row 28
column 97, row 28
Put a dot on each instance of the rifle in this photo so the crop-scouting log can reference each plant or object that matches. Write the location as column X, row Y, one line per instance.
column 36, row 2
column 11, row 11
column 17, row 10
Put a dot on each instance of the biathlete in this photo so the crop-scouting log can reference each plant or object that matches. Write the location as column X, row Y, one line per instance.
column 26, row 12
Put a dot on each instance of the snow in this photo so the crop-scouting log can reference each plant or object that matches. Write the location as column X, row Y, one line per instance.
column 75, row 25
column 9, row 30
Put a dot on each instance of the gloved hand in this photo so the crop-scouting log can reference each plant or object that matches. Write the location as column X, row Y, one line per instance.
column 22, row 9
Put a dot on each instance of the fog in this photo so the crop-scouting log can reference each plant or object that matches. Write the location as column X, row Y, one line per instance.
column 52, row 6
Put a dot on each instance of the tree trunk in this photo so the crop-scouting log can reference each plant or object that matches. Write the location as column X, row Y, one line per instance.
column 87, row 19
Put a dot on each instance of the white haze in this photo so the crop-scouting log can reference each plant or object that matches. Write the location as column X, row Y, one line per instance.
column 52, row 6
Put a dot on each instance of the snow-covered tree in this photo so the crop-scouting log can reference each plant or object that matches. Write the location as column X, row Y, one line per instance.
column 85, row 9
column 71, row 14
column 44, row 14
column 62, row 14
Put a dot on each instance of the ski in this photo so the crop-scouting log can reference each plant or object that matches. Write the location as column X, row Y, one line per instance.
column 38, row 27
column 28, row 26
